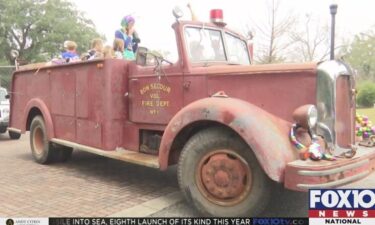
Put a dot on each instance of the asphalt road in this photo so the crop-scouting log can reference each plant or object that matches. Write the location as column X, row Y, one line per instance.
column 283, row 202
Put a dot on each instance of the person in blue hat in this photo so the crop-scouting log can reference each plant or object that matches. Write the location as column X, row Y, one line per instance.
column 130, row 37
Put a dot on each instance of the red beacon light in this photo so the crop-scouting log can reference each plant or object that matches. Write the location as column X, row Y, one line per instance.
column 216, row 17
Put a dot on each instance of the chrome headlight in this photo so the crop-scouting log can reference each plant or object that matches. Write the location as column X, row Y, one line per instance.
column 306, row 116
column 312, row 116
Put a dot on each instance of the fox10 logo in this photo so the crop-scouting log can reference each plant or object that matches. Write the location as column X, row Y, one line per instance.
column 342, row 206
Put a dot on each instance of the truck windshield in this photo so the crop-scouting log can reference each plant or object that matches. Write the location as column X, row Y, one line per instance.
column 237, row 50
column 204, row 44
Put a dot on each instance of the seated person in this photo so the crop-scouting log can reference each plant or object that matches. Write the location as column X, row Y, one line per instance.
column 217, row 46
column 70, row 53
column 108, row 52
column 196, row 51
column 96, row 50
column 118, row 47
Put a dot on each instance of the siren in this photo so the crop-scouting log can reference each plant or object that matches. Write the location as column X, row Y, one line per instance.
column 216, row 17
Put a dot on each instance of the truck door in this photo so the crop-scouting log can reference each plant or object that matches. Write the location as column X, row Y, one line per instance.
column 155, row 94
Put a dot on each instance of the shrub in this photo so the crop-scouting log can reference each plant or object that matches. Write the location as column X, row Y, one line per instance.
column 366, row 94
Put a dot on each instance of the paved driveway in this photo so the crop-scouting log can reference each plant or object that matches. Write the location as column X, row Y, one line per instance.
column 90, row 185
column 87, row 185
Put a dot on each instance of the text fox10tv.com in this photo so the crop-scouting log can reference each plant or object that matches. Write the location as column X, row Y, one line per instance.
column 326, row 206
column 342, row 206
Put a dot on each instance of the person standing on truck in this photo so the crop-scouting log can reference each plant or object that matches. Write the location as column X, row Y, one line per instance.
column 128, row 34
column 70, row 53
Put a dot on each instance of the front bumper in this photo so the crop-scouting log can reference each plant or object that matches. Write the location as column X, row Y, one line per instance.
column 304, row 175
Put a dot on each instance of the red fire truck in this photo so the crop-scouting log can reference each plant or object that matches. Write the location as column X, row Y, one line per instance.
column 233, row 128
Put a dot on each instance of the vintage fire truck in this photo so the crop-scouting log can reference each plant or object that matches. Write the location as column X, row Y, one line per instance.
column 233, row 128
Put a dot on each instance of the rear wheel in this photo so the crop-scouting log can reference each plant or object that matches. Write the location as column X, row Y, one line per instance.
column 14, row 135
column 42, row 150
column 220, row 176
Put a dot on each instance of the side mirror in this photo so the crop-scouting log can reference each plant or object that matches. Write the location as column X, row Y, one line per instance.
column 177, row 12
column 250, row 35
column 7, row 96
column 141, row 57
column 14, row 54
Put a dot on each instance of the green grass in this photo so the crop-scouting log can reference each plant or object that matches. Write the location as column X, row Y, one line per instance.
column 370, row 112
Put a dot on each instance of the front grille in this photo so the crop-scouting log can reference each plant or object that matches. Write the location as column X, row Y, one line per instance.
column 344, row 112
column 336, row 106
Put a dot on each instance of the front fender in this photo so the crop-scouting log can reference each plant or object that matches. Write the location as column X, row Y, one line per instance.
column 266, row 134
column 39, row 104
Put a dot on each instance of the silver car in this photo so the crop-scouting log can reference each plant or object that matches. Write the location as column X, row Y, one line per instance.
column 4, row 110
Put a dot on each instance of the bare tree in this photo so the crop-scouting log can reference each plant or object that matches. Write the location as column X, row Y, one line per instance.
column 272, row 36
column 311, row 43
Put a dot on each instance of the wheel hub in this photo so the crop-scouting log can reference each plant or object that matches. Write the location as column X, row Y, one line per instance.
column 224, row 176
column 221, row 178
column 38, row 140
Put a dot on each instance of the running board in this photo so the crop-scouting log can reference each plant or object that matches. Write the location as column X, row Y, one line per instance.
column 119, row 154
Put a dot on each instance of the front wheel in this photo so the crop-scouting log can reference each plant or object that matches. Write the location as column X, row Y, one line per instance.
column 221, row 177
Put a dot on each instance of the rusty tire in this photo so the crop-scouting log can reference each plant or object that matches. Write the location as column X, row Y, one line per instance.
column 210, row 167
column 14, row 135
column 42, row 150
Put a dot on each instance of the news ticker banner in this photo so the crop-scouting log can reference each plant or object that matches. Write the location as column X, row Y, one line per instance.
column 154, row 221
column 326, row 206
column 342, row 206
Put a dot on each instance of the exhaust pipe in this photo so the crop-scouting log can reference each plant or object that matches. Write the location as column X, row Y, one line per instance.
column 333, row 9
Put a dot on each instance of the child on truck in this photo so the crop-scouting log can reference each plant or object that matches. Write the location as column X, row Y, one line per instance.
column 108, row 52
column 118, row 47
column 70, row 53
column 96, row 50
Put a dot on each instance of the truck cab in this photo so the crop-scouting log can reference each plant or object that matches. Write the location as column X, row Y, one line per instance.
column 233, row 128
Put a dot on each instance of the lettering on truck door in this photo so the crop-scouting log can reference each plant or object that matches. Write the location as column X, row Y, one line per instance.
column 155, row 98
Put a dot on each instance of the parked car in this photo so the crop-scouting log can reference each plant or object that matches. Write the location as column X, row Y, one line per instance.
column 4, row 110
column 4, row 114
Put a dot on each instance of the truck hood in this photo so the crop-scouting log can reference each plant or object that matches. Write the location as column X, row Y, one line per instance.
column 278, row 88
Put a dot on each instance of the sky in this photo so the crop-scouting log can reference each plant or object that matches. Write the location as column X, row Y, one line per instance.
column 154, row 17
